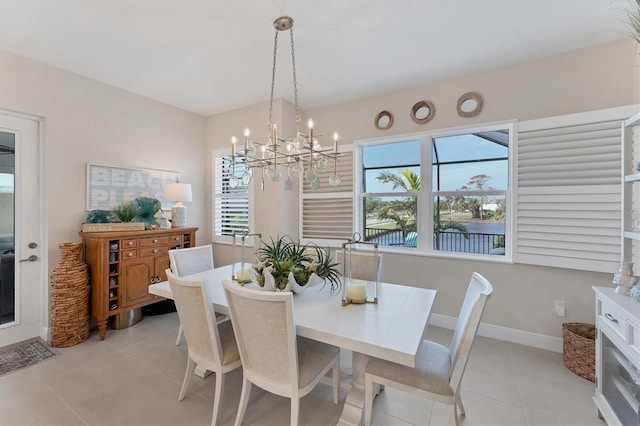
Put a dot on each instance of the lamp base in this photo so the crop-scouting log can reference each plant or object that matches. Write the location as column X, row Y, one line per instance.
column 178, row 216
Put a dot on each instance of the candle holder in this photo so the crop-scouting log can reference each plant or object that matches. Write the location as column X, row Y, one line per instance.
column 354, row 291
column 243, row 236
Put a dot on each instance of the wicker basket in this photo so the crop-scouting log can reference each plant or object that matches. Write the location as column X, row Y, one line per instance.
column 579, row 348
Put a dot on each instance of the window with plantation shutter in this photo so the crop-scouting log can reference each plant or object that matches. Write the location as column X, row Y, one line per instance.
column 232, row 200
column 327, row 212
column 569, row 200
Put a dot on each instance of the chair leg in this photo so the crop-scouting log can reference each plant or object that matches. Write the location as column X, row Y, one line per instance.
column 217, row 397
column 335, row 375
column 459, row 400
column 179, row 335
column 295, row 410
column 368, row 399
column 187, row 378
column 453, row 414
column 244, row 399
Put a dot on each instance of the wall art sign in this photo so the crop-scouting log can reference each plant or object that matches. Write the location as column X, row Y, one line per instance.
column 108, row 186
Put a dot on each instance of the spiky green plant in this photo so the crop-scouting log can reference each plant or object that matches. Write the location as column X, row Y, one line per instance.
column 632, row 20
column 283, row 256
column 125, row 211
column 323, row 265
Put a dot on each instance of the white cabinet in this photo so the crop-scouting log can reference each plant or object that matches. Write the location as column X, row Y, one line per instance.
column 630, row 188
column 617, row 357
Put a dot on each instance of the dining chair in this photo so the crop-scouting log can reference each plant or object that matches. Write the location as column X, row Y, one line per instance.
column 210, row 345
column 438, row 372
column 189, row 261
column 362, row 265
column 273, row 357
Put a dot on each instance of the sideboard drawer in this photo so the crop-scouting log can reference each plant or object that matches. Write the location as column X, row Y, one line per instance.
column 613, row 319
column 152, row 241
column 152, row 251
column 129, row 254
column 131, row 243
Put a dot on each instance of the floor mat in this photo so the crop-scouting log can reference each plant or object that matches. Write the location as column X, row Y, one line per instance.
column 24, row 354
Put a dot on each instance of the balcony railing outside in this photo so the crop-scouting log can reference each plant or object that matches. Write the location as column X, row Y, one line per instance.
column 481, row 243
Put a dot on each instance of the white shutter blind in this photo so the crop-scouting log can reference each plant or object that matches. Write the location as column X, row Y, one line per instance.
column 327, row 212
column 569, row 201
column 231, row 205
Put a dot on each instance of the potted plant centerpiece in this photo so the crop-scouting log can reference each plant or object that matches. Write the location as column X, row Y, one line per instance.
column 285, row 265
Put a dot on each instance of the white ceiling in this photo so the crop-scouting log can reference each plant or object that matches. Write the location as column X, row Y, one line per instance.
column 209, row 56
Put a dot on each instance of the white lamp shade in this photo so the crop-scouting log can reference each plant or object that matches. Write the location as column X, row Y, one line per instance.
column 178, row 192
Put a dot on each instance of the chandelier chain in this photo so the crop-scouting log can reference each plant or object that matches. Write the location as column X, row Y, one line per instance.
column 273, row 82
column 295, row 82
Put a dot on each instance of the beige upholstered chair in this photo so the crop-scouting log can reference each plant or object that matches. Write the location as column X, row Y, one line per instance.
column 190, row 261
column 438, row 372
column 362, row 265
column 210, row 345
column 273, row 357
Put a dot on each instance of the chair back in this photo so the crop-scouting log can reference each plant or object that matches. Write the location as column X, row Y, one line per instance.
column 191, row 260
column 363, row 265
column 197, row 318
column 475, row 299
column 266, row 336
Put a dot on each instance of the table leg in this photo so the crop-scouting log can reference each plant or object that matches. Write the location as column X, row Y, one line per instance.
column 354, row 404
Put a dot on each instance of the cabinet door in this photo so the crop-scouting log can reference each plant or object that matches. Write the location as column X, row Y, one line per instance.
column 136, row 278
column 162, row 264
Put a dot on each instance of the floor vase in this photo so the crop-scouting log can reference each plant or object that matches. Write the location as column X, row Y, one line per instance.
column 69, row 298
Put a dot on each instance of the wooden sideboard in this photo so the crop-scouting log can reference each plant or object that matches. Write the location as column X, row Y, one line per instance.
column 123, row 264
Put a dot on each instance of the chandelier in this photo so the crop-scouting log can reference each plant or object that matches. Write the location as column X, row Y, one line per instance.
column 300, row 157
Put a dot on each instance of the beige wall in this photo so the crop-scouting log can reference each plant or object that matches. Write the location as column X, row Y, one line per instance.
column 595, row 78
column 87, row 121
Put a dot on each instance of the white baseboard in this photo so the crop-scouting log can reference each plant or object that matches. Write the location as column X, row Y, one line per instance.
column 497, row 332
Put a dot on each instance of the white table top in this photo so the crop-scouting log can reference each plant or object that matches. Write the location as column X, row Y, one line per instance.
column 391, row 329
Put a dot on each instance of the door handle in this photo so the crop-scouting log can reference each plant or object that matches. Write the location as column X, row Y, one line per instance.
column 31, row 258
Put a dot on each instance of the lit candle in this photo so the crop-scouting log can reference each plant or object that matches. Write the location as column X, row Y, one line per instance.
column 274, row 140
column 233, row 146
column 263, row 148
column 357, row 290
column 310, row 125
column 246, row 140
column 335, row 142
column 289, row 152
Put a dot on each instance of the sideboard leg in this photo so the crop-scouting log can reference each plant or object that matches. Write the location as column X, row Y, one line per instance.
column 102, row 327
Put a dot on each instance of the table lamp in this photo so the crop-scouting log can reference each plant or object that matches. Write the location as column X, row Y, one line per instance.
column 178, row 192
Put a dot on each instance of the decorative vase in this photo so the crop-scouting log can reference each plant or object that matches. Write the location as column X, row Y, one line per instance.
column 624, row 278
column 69, row 298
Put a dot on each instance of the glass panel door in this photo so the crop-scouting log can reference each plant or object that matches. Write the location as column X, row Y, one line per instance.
column 7, row 227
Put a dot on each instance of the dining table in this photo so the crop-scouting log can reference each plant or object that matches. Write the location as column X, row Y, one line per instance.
column 391, row 329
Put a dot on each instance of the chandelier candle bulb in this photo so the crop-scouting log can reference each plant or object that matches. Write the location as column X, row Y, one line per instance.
column 263, row 149
column 233, row 146
column 335, row 142
column 246, row 140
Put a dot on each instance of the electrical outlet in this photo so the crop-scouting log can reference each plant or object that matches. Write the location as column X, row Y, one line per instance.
column 560, row 307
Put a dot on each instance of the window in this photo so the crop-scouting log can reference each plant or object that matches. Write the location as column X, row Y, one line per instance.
column 231, row 199
column 438, row 193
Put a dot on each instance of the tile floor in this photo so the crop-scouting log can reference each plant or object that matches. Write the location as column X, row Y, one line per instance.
column 133, row 377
